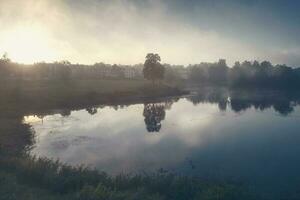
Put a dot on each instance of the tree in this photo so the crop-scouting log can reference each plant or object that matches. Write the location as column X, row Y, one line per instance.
column 5, row 57
column 117, row 71
column 237, row 65
column 255, row 65
column 5, row 65
column 153, row 70
column 218, row 72
column 63, row 70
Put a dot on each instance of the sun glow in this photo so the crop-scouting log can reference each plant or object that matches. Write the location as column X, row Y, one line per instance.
column 27, row 45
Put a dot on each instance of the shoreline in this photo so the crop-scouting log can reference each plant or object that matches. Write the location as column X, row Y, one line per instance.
column 23, row 99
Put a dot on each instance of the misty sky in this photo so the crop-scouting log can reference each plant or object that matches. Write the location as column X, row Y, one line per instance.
column 124, row 31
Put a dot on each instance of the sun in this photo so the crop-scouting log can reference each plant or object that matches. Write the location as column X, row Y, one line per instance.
column 27, row 45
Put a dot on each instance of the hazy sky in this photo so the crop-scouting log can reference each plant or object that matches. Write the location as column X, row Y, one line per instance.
column 124, row 31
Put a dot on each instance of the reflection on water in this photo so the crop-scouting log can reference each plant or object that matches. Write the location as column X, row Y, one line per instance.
column 281, row 102
column 15, row 137
column 154, row 114
column 92, row 110
column 213, row 134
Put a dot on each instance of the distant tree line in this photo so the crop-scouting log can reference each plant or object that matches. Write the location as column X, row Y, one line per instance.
column 151, row 70
column 64, row 70
column 245, row 74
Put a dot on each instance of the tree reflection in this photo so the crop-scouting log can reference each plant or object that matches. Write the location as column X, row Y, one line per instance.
column 218, row 95
column 92, row 110
column 223, row 105
column 282, row 102
column 284, row 108
column 16, row 137
column 154, row 113
column 65, row 112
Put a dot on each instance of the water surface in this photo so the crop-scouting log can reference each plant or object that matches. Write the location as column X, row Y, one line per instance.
column 216, row 135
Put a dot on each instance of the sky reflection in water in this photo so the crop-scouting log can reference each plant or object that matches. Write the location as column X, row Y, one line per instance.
column 195, row 136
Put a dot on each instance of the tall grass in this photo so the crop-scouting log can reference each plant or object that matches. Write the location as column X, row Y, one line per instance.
column 42, row 178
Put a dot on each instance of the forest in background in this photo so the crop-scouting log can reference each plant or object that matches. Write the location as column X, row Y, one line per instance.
column 246, row 74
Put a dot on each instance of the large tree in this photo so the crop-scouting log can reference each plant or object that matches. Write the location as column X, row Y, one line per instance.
column 153, row 69
column 5, row 65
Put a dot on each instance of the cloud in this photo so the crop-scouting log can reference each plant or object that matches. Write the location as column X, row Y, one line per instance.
column 123, row 31
column 290, row 55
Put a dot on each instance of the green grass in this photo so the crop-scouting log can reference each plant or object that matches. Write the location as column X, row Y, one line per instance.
column 29, row 178
column 33, row 96
column 45, row 179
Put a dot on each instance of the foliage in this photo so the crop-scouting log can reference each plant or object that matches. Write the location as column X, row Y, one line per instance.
column 153, row 70
column 283, row 102
column 215, row 73
column 41, row 178
column 246, row 74
column 154, row 114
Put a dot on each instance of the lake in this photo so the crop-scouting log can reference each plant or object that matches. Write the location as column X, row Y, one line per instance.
column 215, row 134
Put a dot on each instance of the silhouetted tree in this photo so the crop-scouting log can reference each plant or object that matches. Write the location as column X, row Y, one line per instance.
column 5, row 57
column 153, row 70
column 4, row 65
column 218, row 72
column 256, row 65
column 117, row 71
column 63, row 70
column 172, row 73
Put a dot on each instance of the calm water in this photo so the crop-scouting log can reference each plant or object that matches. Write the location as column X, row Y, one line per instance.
column 216, row 134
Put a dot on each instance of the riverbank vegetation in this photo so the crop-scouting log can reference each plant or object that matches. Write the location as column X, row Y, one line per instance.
column 245, row 75
column 31, row 178
column 25, row 177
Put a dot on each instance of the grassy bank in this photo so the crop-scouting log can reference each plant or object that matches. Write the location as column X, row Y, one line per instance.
column 23, row 177
column 24, row 96
column 30, row 178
